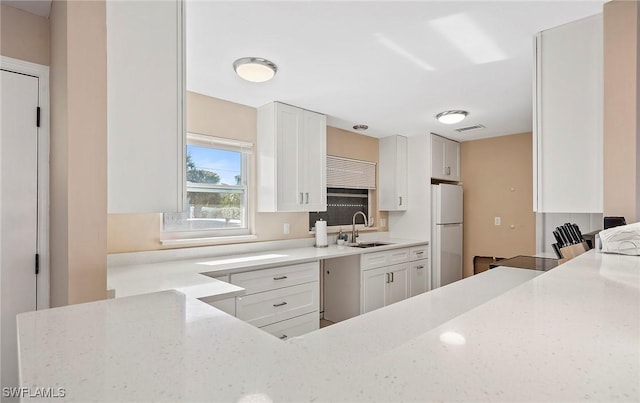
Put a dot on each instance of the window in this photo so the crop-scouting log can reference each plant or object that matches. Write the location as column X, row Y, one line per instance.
column 217, row 190
column 342, row 204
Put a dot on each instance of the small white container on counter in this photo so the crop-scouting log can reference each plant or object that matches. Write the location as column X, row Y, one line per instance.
column 321, row 234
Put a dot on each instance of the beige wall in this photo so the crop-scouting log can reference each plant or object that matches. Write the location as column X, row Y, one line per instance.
column 220, row 118
column 78, row 152
column 24, row 36
column 497, row 175
column 621, row 137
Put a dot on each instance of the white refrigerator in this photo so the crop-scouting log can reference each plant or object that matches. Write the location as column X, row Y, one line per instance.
column 446, row 234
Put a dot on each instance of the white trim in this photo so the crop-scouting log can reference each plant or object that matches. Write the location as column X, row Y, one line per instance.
column 215, row 142
column 42, row 73
column 207, row 241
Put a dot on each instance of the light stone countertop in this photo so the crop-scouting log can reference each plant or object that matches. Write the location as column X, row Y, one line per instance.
column 194, row 276
column 569, row 334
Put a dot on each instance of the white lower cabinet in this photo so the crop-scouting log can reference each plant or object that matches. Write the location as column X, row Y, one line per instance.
column 419, row 278
column 283, row 301
column 393, row 275
column 294, row 327
column 384, row 286
column 268, row 307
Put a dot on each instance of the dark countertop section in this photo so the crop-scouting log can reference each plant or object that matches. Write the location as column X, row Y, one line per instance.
column 527, row 262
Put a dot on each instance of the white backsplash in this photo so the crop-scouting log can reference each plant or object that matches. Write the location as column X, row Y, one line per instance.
column 547, row 222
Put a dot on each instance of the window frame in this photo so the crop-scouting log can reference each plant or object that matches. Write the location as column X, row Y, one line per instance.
column 187, row 235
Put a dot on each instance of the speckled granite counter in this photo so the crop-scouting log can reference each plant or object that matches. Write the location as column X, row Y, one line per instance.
column 569, row 334
column 194, row 276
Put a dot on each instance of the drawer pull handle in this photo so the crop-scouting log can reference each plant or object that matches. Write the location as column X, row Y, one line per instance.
column 280, row 278
column 420, row 253
column 420, row 267
column 392, row 277
column 284, row 336
column 283, row 303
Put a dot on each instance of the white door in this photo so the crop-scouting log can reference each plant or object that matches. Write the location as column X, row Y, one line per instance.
column 450, row 241
column 419, row 277
column 290, row 131
column 437, row 157
column 448, row 204
column 315, row 162
column 374, row 283
column 398, row 286
column 19, row 210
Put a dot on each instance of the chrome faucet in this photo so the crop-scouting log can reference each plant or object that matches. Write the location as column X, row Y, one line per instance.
column 354, row 233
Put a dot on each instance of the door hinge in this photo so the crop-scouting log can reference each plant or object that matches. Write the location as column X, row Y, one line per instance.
column 37, row 263
column 38, row 116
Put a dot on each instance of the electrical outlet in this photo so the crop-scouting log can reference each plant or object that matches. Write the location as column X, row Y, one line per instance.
column 497, row 221
column 286, row 230
column 383, row 222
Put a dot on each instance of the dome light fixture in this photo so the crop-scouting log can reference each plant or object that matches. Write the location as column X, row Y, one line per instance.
column 360, row 128
column 255, row 69
column 451, row 117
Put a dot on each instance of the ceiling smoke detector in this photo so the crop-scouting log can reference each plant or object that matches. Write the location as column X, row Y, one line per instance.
column 255, row 69
column 360, row 128
column 451, row 117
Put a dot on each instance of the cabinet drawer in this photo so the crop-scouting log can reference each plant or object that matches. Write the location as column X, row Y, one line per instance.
column 398, row 256
column 268, row 307
column 295, row 326
column 277, row 277
column 419, row 252
column 373, row 260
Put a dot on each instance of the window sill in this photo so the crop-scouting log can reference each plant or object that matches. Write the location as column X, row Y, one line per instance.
column 208, row 240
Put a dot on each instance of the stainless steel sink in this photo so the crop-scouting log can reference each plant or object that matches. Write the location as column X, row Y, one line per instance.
column 370, row 244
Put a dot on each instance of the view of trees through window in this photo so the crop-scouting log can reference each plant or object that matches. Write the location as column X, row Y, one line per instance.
column 215, row 191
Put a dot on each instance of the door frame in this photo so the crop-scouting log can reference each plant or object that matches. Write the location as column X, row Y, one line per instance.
column 42, row 73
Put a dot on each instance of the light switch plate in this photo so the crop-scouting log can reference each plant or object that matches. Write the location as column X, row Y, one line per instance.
column 497, row 221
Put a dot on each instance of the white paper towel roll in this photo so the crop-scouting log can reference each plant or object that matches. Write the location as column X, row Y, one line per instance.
column 321, row 234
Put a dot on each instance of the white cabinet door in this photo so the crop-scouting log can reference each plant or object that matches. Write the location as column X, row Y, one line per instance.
column 146, row 136
column 314, row 161
column 398, row 285
column 290, row 170
column 393, row 173
column 452, row 160
column 445, row 159
column 374, row 285
column 291, row 159
column 419, row 277
column 568, row 134
column 437, row 157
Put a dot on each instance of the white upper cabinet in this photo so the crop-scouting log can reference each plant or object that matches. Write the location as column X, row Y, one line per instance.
column 291, row 159
column 393, row 173
column 146, row 133
column 568, row 115
column 445, row 159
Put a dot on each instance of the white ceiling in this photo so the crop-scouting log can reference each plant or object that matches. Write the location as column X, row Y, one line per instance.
column 390, row 65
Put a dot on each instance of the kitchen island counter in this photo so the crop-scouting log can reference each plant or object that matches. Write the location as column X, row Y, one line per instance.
column 195, row 277
column 565, row 335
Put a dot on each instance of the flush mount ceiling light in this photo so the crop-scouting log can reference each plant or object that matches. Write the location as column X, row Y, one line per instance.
column 255, row 69
column 451, row 117
column 360, row 128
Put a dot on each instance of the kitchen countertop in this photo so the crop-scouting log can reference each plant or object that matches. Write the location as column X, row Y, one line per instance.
column 194, row 276
column 507, row 334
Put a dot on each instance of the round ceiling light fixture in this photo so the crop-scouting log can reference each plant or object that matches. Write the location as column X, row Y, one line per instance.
column 360, row 128
column 255, row 69
column 451, row 117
